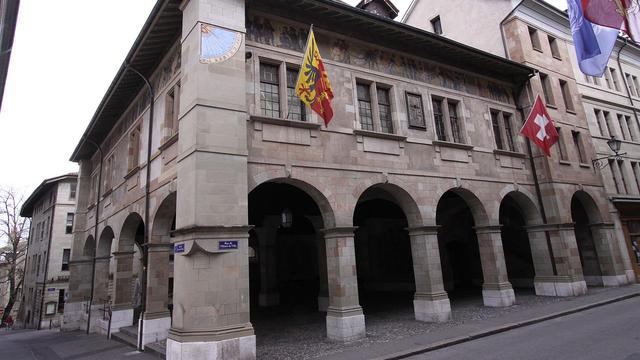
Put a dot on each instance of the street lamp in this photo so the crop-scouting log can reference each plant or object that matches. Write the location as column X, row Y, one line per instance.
column 614, row 144
column 287, row 218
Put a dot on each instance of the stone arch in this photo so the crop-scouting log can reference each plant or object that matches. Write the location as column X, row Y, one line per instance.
column 589, row 205
column 163, row 220
column 89, row 248
column 529, row 210
column 399, row 196
column 326, row 210
column 128, row 232
column 104, row 244
column 480, row 215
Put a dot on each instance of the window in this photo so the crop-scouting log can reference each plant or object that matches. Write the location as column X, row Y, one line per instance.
column 566, row 96
column 633, row 136
column 577, row 142
column 134, row 148
column 562, row 149
column 553, row 44
column 61, row 301
column 382, row 97
column 171, row 112
column 447, row 120
column 436, row 25
column 38, row 266
column 364, row 107
column 269, row 90
column 384, row 109
column 635, row 168
column 41, row 231
column 535, row 40
column 415, row 111
column 631, row 85
column 72, row 190
column 615, row 174
column 621, row 171
column 69, row 224
column 599, row 121
column 66, row 255
column 623, row 127
column 635, row 84
column 614, row 79
column 296, row 106
column 108, row 172
column 546, row 90
column 503, row 130
column 607, row 121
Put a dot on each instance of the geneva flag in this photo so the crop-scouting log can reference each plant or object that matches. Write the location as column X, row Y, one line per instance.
column 593, row 43
column 618, row 14
column 539, row 127
column 313, row 86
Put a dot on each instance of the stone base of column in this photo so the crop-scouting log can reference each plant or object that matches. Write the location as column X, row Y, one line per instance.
column 155, row 327
column 550, row 286
column 323, row 303
column 98, row 323
column 498, row 295
column 345, row 324
column 615, row 280
column 121, row 318
column 72, row 317
column 631, row 276
column 269, row 299
column 241, row 348
column 432, row 307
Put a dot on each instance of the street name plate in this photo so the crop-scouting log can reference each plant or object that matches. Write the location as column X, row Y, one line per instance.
column 228, row 245
column 178, row 248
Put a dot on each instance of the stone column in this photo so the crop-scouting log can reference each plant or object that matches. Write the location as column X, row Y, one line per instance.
column 323, row 288
column 542, row 263
column 79, row 293
column 609, row 255
column 122, row 291
column 430, row 302
column 101, row 297
column 157, row 318
column 496, row 289
column 345, row 320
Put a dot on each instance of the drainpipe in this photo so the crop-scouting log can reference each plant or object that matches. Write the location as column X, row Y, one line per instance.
column 46, row 262
column 95, row 230
column 504, row 40
column 145, row 245
column 543, row 213
column 624, row 78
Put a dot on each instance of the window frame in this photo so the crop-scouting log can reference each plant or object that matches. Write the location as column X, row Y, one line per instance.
column 283, row 67
column 66, row 258
column 436, row 20
column 562, row 147
column 445, row 101
column 566, row 96
column 578, row 142
column 373, row 87
column 553, row 45
column 68, row 225
column 547, row 90
column 172, row 112
column 507, row 140
column 534, row 39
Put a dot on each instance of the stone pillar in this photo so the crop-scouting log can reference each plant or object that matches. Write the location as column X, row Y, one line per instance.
column 345, row 320
column 122, row 279
column 430, row 302
column 157, row 318
column 323, row 288
column 269, row 295
column 544, row 281
column 568, row 280
column 609, row 255
column 101, row 297
column 496, row 289
column 79, row 293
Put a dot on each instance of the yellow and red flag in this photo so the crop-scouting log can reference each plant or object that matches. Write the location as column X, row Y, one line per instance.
column 313, row 86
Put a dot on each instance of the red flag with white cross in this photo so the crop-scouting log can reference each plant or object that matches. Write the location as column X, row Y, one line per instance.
column 539, row 127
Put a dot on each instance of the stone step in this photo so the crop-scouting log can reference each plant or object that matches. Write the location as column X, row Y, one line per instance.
column 125, row 339
column 130, row 330
column 157, row 349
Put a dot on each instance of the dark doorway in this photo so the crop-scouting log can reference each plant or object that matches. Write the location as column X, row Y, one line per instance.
column 586, row 245
column 459, row 251
column 515, row 243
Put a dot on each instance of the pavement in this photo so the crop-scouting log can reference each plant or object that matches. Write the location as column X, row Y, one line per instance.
column 449, row 336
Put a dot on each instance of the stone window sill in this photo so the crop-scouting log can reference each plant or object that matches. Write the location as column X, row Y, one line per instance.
column 452, row 145
column 132, row 172
column 585, row 165
column 107, row 192
column 379, row 135
column 167, row 143
column 509, row 153
column 285, row 122
column 565, row 162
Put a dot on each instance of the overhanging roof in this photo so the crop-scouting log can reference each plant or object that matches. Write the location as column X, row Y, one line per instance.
column 162, row 28
column 9, row 20
column 164, row 25
column 27, row 208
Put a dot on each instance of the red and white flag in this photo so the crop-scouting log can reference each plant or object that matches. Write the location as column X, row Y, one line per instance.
column 539, row 127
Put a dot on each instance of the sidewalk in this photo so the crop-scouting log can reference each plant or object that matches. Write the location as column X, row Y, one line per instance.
column 448, row 336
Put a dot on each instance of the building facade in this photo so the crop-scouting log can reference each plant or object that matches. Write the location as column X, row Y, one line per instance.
column 202, row 169
column 51, row 208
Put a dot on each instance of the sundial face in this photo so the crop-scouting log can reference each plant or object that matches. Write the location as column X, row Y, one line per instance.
column 218, row 44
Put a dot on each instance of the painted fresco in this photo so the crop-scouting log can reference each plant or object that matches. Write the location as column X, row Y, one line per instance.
column 266, row 31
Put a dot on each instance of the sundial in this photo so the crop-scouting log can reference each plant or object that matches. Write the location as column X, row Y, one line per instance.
column 218, row 44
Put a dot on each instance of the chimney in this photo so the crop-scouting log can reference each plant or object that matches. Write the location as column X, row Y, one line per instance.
column 383, row 8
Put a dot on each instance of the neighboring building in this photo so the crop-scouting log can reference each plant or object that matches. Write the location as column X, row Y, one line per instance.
column 8, row 20
column 238, row 198
column 4, row 280
column 51, row 208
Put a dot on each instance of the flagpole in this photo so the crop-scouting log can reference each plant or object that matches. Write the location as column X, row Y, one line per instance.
column 536, row 184
column 300, row 69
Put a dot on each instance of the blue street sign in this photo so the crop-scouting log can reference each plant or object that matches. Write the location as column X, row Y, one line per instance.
column 228, row 245
column 178, row 248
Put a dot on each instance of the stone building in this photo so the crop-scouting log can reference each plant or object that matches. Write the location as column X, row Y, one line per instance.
column 51, row 208
column 539, row 35
column 201, row 158
column 5, row 272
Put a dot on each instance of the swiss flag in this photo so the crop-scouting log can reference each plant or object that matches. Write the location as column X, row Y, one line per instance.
column 539, row 127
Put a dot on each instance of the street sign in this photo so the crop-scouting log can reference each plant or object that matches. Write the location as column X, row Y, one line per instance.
column 228, row 245
column 178, row 248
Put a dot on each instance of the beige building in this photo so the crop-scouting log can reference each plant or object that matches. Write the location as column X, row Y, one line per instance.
column 537, row 34
column 51, row 208
column 238, row 200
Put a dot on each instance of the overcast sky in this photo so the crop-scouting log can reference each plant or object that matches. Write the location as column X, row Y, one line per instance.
column 65, row 55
